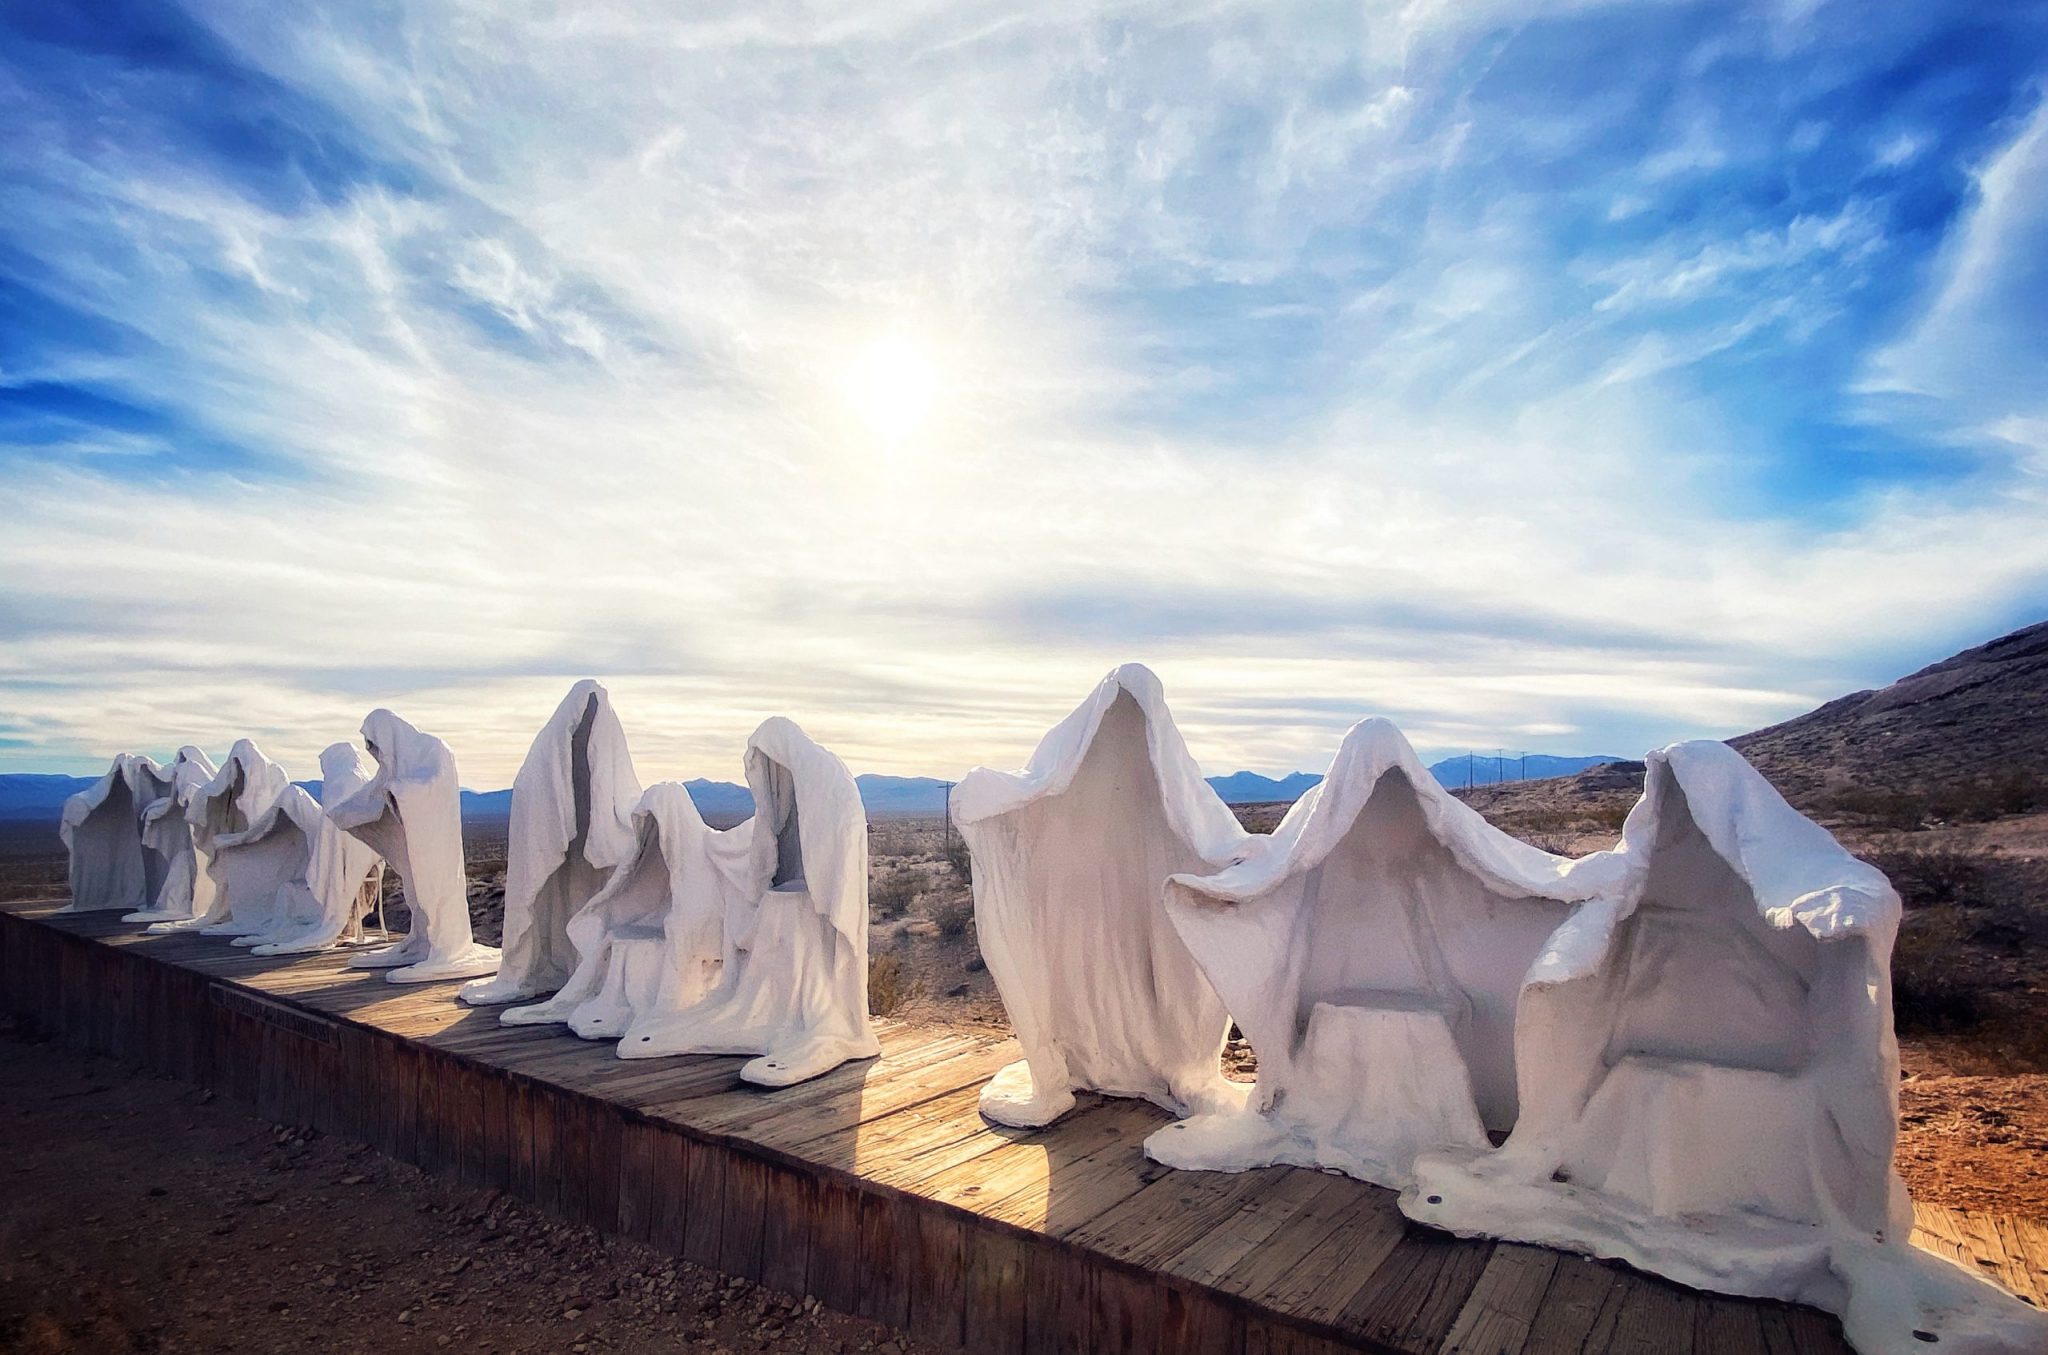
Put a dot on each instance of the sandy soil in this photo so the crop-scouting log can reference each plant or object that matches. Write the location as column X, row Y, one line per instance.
column 138, row 1214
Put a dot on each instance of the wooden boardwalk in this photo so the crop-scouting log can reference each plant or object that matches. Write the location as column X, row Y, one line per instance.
column 878, row 1187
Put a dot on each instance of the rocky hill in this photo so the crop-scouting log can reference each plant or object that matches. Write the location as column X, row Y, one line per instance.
column 1979, row 717
column 1963, row 739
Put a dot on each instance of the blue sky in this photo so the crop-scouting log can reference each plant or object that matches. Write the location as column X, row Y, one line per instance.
column 1570, row 377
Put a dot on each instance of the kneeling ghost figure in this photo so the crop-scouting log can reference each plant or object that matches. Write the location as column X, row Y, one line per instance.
column 410, row 813
column 1710, row 1078
column 792, row 981
column 187, row 887
column 1373, row 956
column 652, row 936
column 244, row 877
column 341, row 876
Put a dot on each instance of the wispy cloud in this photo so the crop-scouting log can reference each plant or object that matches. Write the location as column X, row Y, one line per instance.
column 1582, row 378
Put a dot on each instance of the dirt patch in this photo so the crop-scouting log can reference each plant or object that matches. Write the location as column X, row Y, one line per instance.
column 138, row 1214
column 1976, row 1142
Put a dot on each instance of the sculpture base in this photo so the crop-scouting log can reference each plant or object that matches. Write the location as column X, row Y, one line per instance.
column 473, row 961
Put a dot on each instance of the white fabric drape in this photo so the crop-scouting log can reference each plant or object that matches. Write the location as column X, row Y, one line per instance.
column 572, row 806
column 653, row 938
column 317, row 907
column 187, row 887
column 793, row 982
column 111, row 866
column 245, row 881
column 1069, row 858
column 1373, row 956
column 410, row 813
column 1709, row 1077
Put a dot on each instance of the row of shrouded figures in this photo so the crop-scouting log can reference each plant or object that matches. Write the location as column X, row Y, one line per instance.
column 1677, row 1052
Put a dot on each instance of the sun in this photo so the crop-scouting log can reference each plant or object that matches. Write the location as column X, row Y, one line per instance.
column 891, row 386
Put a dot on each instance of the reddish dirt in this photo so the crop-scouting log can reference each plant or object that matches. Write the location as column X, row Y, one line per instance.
column 139, row 1215
column 1975, row 1142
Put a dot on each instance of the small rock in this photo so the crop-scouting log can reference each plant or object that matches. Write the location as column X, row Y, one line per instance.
column 405, row 1318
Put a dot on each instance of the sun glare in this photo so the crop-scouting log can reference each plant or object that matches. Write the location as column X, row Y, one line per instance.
column 891, row 386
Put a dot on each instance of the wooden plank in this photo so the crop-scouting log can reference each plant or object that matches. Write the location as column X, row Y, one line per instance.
column 745, row 1106
column 1411, row 1299
column 866, row 1092
column 1649, row 1317
column 603, row 1135
column 1791, row 1330
column 832, row 1263
column 1123, row 1312
column 704, row 1169
column 993, row 1294
column 670, row 1181
column 1170, row 1212
column 788, row 1199
column 495, row 1091
column 938, row 1250
column 1197, row 1322
column 1224, row 1249
column 1726, row 1326
column 742, row 1209
column 638, row 1191
column 1580, row 1292
column 1057, row 1317
column 1324, row 1279
column 1504, row 1301
column 886, row 1262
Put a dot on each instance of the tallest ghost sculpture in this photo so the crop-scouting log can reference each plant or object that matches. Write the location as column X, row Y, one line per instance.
column 410, row 813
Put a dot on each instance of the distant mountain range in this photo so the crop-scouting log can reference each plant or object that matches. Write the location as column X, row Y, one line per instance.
column 1249, row 788
column 1480, row 769
column 1975, row 714
column 35, row 797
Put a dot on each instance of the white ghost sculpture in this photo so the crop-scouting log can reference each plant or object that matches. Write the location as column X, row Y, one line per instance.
column 792, row 987
column 245, row 880
column 1709, row 1079
column 1373, row 957
column 571, row 808
column 653, row 937
column 410, row 813
column 110, row 864
column 1070, row 855
column 340, row 876
column 187, row 886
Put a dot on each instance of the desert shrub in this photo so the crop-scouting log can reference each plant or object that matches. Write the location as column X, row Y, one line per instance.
column 1976, row 800
column 959, row 858
column 1934, row 990
column 889, row 986
column 954, row 914
column 1557, row 844
column 2012, row 904
column 893, row 891
column 1931, row 875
